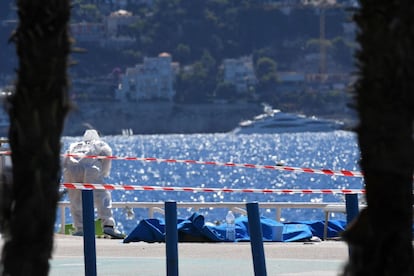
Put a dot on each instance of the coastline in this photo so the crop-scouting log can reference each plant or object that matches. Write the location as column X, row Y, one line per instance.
column 114, row 118
column 110, row 118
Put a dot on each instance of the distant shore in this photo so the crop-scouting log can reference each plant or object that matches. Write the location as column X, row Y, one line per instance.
column 111, row 118
column 158, row 117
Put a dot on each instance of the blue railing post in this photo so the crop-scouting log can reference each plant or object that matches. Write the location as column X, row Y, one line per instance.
column 352, row 210
column 352, row 207
column 171, row 237
column 89, row 246
column 256, row 239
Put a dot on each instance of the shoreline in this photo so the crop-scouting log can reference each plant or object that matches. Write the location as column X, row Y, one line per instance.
column 114, row 118
column 158, row 117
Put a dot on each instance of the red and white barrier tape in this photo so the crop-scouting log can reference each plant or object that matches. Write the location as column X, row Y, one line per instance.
column 81, row 186
column 227, row 164
column 230, row 164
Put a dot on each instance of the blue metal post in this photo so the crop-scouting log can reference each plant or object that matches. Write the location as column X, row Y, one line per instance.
column 89, row 246
column 352, row 207
column 352, row 210
column 171, row 237
column 256, row 239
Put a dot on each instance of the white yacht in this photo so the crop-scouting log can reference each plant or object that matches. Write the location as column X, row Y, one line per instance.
column 276, row 121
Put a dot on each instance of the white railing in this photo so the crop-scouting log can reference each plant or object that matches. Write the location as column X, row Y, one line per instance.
column 238, row 207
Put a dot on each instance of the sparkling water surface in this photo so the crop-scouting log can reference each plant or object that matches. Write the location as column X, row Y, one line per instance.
column 335, row 150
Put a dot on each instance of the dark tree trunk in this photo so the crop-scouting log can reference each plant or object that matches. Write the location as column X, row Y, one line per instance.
column 37, row 112
column 381, row 238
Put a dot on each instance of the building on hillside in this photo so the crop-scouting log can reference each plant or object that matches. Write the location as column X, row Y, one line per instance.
column 116, row 36
column 118, row 43
column 118, row 19
column 88, row 31
column 151, row 80
column 109, row 33
column 290, row 81
column 240, row 73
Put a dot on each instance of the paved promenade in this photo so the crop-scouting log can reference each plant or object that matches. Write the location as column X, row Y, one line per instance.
column 199, row 259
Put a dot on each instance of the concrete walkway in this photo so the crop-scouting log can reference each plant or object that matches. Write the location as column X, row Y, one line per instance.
column 198, row 259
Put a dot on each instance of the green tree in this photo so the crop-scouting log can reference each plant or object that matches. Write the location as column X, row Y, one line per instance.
column 315, row 44
column 198, row 82
column 380, row 240
column 266, row 73
column 37, row 111
column 226, row 90
column 343, row 51
column 189, row 85
column 86, row 12
column 182, row 53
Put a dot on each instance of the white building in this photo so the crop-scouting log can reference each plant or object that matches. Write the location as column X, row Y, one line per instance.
column 117, row 20
column 240, row 72
column 108, row 33
column 153, row 79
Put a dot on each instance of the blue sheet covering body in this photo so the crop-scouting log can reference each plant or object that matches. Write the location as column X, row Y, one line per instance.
column 335, row 227
column 196, row 229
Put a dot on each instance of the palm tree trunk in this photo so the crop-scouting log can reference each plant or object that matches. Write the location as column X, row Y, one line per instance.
column 381, row 238
column 37, row 112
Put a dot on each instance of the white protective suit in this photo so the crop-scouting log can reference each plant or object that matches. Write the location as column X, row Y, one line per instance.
column 87, row 170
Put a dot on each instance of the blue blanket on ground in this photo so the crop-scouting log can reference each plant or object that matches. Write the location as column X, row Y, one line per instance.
column 197, row 230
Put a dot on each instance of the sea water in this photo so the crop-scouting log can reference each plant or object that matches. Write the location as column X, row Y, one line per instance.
column 335, row 150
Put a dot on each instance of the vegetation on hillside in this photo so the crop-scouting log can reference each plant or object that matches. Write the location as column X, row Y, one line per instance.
column 200, row 34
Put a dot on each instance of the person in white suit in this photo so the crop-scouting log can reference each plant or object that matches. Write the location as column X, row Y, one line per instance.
column 87, row 170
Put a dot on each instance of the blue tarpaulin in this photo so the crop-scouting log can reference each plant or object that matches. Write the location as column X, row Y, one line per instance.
column 196, row 229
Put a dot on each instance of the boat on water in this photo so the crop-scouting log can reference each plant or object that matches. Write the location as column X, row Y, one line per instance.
column 276, row 121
